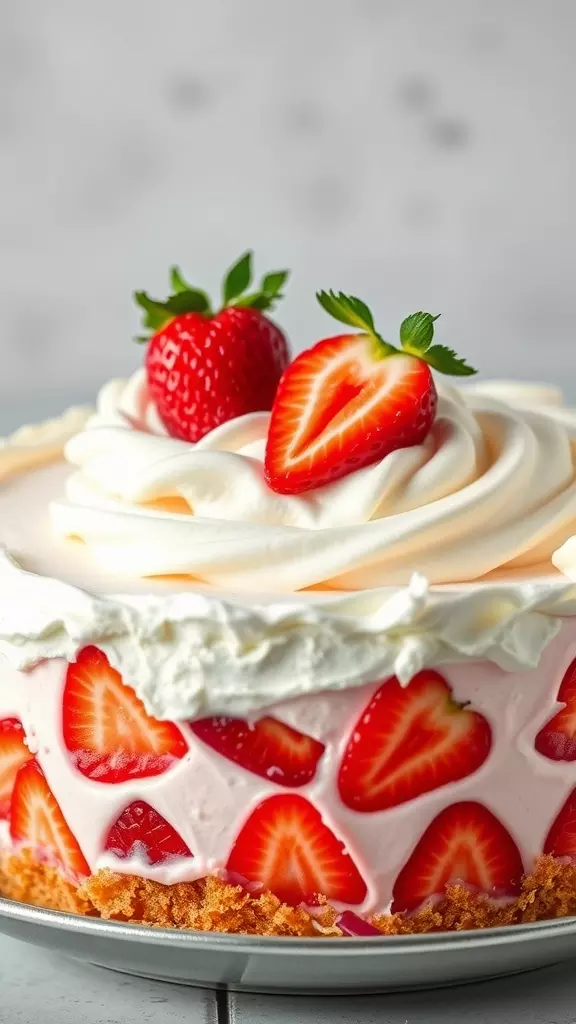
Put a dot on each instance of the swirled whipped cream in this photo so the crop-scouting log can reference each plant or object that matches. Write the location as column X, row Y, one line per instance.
column 493, row 487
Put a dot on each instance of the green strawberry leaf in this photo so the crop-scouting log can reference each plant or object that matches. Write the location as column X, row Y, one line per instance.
column 191, row 301
column 237, row 279
column 347, row 309
column 156, row 312
column 187, row 299
column 273, row 283
column 257, row 300
column 417, row 332
column 269, row 292
column 177, row 282
column 445, row 360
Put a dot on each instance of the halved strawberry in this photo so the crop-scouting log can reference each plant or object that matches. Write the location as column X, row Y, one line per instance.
column 561, row 839
column 351, row 400
column 409, row 740
column 464, row 843
column 37, row 823
column 141, row 831
column 287, row 847
column 13, row 754
column 557, row 739
column 106, row 727
column 267, row 747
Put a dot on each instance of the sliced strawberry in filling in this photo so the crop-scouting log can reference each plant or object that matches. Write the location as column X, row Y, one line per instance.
column 557, row 739
column 37, row 823
column 408, row 741
column 107, row 729
column 267, row 747
column 142, row 832
column 464, row 843
column 561, row 839
column 286, row 846
column 13, row 754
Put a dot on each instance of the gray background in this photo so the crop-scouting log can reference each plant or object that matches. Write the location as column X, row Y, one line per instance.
column 418, row 152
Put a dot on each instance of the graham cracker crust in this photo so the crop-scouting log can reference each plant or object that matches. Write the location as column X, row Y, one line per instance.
column 213, row 905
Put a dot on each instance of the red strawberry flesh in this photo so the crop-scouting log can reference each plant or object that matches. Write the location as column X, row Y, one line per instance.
column 464, row 843
column 408, row 741
column 350, row 924
column 37, row 823
column 351, row 400
column 110, row 736
column 287, row 847
column 267, row 747
column 141, row 831
column 557, row 739
column 13, row 754
column 561, row 839
column 341, row 407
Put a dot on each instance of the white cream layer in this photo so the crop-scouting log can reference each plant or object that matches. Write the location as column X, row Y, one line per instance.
column 186, row 649
column 192, row 654
column 492, row 487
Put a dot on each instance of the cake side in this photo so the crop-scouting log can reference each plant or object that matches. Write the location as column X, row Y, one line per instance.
column 497, row 773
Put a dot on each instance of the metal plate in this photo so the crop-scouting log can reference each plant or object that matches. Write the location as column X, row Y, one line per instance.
column 275, row 965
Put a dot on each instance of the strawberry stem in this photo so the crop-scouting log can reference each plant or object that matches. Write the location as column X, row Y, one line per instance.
column 348, row 309
column 187, row 299
column 416, row 333
column 238, row 280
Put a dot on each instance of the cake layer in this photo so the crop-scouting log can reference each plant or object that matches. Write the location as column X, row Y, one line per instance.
column 468, row 749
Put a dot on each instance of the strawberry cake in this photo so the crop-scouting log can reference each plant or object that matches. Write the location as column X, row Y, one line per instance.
column 289, row 647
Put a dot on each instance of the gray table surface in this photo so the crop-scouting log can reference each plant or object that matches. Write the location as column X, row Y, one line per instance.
column 38, row 986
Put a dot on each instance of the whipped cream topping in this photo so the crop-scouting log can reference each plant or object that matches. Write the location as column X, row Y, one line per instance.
column 36, row 445
column 192, row 654
column 565, row 558
column 493, row 486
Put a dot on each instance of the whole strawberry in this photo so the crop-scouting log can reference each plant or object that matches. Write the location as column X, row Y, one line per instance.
column 205, row 368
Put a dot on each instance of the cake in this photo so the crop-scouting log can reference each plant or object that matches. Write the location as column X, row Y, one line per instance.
column 289, row 648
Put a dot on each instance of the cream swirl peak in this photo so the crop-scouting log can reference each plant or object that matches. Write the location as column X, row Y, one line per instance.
column 491, row 487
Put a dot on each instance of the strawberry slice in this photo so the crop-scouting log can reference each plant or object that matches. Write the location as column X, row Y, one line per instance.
column 13, row 754
column 561, row 839
column 557, row 739
column 267, row 747
column 408, row 741
column 140, row 831
column 37, row 823
column 106, row 727
column 464, row 843
column 351, row 400
column 285, row 846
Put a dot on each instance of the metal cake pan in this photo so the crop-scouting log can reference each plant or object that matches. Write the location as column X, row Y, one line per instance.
column 286, row 965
